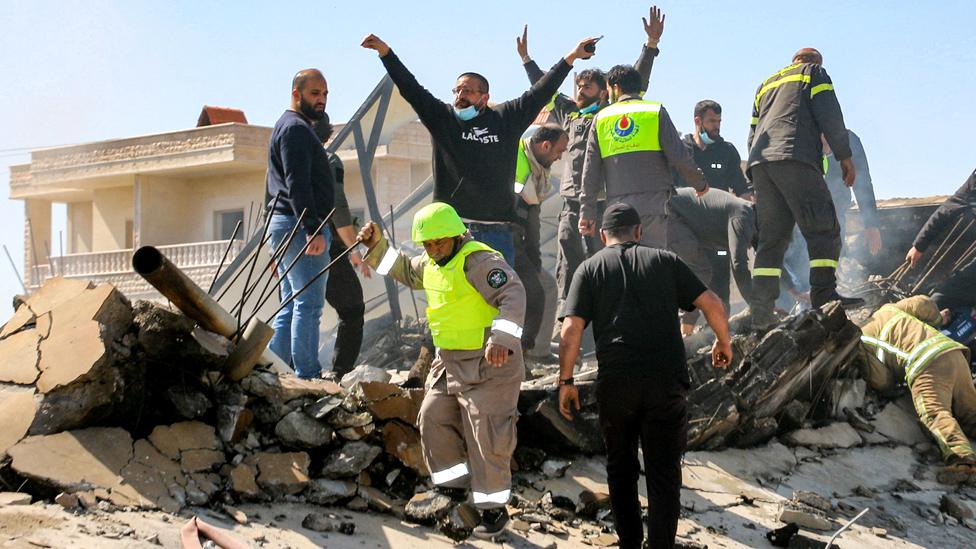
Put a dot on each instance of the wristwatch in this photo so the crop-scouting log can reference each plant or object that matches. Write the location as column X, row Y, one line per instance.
column 567, row 381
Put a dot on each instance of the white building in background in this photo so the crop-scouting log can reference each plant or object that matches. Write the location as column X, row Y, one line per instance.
column 183, row 191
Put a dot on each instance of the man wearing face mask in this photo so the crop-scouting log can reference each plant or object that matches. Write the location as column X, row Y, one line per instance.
column 475, row 146
column 299, row 174
column 475, row 306
column 718, row 159
column 536, row 156
column 631, row 151
column 575, row 114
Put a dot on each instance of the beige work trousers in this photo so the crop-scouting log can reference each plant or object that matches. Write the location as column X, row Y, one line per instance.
column 945, row 400
column 468, row 437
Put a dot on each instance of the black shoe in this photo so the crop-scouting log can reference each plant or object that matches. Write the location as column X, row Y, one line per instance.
column 457, row 495
column 493, row 523
column 761, row 321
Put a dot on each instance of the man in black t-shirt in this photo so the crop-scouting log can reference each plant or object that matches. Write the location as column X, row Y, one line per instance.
column 631, row 294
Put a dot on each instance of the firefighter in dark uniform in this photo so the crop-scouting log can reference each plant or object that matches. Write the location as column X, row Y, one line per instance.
column 790, row 111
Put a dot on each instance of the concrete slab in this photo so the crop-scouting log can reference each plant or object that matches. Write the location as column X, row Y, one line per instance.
column 874, row 467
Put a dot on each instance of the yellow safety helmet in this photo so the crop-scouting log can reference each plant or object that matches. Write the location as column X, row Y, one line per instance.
column 436, row 220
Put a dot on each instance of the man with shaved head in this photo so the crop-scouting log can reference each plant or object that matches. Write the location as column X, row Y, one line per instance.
column 299, row 175
column 791, row 109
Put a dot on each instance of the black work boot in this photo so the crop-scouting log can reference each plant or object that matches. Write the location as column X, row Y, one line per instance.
column 457, row 495
column 493, row 523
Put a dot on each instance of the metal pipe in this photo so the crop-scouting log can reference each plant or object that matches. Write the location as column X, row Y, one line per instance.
column 224, row 258
column 845, row 527
column 189, row 298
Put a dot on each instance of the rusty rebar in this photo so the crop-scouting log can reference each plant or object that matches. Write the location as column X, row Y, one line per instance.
column 275, row 255
column 264, row 238
column 945, row 254
column 224, row 258
column 310, row 282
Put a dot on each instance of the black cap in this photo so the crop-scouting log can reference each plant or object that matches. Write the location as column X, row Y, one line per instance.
column 620, row 215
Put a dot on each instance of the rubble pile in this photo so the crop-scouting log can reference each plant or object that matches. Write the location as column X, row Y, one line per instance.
column 776, row 381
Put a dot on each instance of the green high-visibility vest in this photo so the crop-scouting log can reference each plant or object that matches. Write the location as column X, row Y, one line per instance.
column 628, row 126
column 456, row 312
column 915, row 361
column 522, row 168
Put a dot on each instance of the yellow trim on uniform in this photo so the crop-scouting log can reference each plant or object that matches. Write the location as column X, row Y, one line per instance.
column 755, row 120
column 832, row 263
column 805, row 78
column 767, row 271
column 821, row 88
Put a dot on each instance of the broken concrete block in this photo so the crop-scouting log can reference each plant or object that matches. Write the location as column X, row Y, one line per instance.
column 341, row 419
column 375, row 499
column 813, row 499
column 352, row 458
column 173, row 439
column 323, row 491
column 805, row 518
column 957, row 507
column 428, row 507
column 399, row 407
column 835, row 435
column 232, row 421
column 328, row 522
column 403, row 442
column 847, row 393
column 14, row 498
column 188, row 403
column 67, row 501
column 21, row 354
column 243, row 482
column 362, row 374
column 298, row 430
column 321, row 407
column 281, row 474
column 899, row 425
column 201, row 460
column 282, row 388
column 18, row 408
column 75, row 460
column 375, row 391
column 54, row 292
column 459, row 522
column 555, row 468
column 356, row 433
column 82, row 330
column 591, row 503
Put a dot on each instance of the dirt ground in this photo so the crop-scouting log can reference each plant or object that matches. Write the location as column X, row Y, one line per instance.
column 731, row 499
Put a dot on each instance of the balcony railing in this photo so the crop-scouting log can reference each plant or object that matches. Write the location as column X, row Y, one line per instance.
column 199, row 260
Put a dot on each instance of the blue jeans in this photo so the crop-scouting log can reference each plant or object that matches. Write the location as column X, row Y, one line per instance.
column 496, row 235
column 296, row 336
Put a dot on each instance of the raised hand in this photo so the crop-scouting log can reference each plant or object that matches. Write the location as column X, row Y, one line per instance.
column 579, row 52
column 373, row 42
column 522, row 44
column 655, row 27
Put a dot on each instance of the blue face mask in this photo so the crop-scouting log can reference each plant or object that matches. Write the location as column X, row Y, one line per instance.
column 467, row 113
column 705, row 139
column 591, row 109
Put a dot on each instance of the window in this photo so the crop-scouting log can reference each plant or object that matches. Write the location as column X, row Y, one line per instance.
column 225, row 222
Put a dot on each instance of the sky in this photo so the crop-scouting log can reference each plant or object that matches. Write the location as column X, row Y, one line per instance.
column 79, row 71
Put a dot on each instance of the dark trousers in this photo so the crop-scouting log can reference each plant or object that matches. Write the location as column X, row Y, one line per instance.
column 654, row 413
column 573, row 247
column 789, row 193
column 528, row 264
column 344, row 293
column 959, row 290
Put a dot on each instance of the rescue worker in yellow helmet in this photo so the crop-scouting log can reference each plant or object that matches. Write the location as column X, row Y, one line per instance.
column 475, row 310
column 904, row 344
